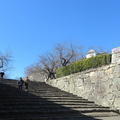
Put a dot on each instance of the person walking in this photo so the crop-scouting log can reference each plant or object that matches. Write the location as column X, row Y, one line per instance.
column 20, row 84
column 26, row 83
column 2, row 74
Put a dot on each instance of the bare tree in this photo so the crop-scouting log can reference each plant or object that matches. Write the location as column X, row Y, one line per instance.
column 49, row 64
column 36, row 73
column 68, row 54
column 62, row 55
column 4, row 62
column 32, row 69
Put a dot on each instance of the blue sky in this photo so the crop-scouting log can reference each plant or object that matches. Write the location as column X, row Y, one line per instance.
column 29, row 28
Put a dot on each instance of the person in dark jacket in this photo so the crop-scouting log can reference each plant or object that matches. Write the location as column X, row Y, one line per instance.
column 26, row 83
column 2, row 74
column 20, row 83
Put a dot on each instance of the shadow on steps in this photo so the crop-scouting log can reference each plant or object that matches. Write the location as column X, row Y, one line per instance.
column 21, row 105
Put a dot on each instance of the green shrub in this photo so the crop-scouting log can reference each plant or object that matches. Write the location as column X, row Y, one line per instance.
column 84, row 64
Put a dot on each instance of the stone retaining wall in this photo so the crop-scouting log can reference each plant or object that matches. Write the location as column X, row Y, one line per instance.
column 101, row 85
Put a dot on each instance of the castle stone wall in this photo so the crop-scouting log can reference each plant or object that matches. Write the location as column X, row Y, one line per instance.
column 101, row 85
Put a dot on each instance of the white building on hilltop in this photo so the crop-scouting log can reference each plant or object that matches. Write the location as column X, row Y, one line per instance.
column 91, row 53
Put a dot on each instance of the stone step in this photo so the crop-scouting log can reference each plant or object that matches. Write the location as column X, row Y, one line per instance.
column 43, row 99
column 31, row 92
column 38, row 93
column 50, row 115
column 60, row 115
column 46, row 97
column 52, row 109
column 15, row 94
column 46, row 109
column 64, row 100
column 46, row 103
column 102, row 114
column 50, row 100
column 2, row 86
column 50, row 94
column 51, row 118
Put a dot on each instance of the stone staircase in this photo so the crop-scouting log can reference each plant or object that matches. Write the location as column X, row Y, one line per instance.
column 44, row 102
